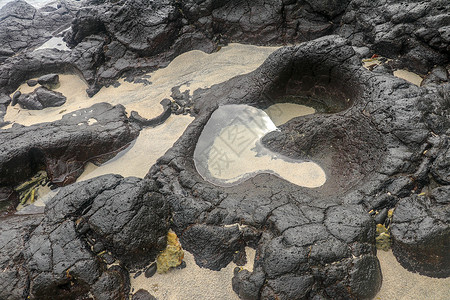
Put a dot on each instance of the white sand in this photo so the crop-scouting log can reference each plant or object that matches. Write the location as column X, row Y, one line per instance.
column 192, row 282
column 150, row 145
column 409, row 76
column 400, row 284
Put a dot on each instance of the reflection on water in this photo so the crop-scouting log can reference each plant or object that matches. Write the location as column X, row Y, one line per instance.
column 229, row 149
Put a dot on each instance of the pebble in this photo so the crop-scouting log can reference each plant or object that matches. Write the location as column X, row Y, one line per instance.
column 32, row 82
column 150, row 271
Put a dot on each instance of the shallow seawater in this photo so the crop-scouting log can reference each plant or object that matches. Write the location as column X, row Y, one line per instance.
column 281, row 113
column 229, row 150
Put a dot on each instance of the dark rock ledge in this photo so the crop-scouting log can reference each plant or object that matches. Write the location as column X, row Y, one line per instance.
column 64, row 146
column 321, row 240
column 56, row 255
column 383, row 144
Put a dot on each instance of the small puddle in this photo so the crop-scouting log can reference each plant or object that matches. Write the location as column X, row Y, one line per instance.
column 229, row 150
column 281, row 113
column 54, row 43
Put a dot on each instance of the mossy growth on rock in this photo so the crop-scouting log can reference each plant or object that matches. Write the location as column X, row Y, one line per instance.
column 172, row 256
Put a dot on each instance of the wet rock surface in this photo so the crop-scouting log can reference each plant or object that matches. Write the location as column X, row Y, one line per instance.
column 22, row 26
column 104, row 46
column 382, row 142
column 49, row 256
column 421, row 233
column 322, row 239
column 41, row 98
column 142, row 295
column 143, row 122
column 64, row 146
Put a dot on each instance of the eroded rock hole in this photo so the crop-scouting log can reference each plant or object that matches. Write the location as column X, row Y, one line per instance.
column 324, row 87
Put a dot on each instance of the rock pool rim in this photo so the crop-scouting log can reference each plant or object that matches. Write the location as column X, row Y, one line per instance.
column 322, row 85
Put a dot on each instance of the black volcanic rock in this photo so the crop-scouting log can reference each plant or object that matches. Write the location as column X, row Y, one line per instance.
column 32, row 82
column 64, row 146
column 113, row 284
column 142, row 295
column 111, row 38
column 421, row 233
column 212, row 246
column 301, row 235
column 143, row 122
column 22, row 26
column 371, row 131
column 41, row 98
column 441, row 166
column 5, row 100
column 380, row 140
column 29, row 101
column 8, row 200
column 14, row 232
column 49, row 81
column 47, row 257
column 49, row 98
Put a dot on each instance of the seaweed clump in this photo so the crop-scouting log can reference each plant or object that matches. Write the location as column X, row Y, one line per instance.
column 172, row 256
column 383, row 237
column 28, row 190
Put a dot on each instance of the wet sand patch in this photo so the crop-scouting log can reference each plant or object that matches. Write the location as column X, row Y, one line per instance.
column 192, row 282
column 400, row 284
column 150, row 145
column 408, row 76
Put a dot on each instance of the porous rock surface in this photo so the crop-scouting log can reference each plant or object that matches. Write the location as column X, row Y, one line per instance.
column 382, row 141
column 41, row 98
column 421, row 232
column 110, row 38
column 64, row 146
column 309, row 242
column 50, row 256
column 23, row 26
